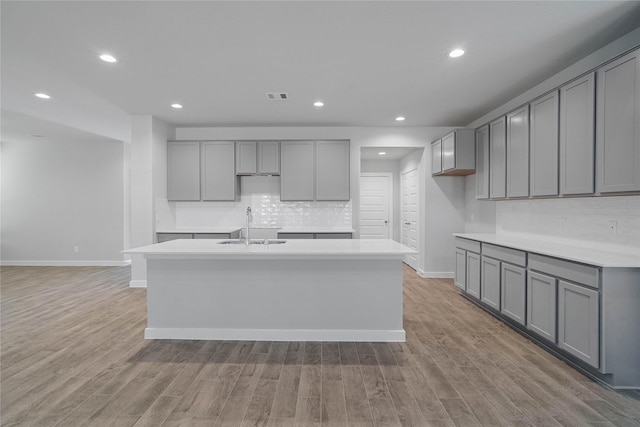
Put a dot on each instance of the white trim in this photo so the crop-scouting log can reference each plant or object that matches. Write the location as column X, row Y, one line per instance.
column 390, row 201
column 66, row 263
column 435, row 274
column 138, row 284
column 275, row 334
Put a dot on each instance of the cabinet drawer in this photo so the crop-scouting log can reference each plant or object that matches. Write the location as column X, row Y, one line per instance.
column 295, row 235
column 509, row 255
column 580, row 273
column 333, row 235
column 165, row 237
column 468, row 245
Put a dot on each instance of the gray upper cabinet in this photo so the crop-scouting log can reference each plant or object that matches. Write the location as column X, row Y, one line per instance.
column 457, row 154
column 577, row 139
column 332, row 170
column 436, row 157
column 218, row 171
column 618, row 125
column 498, row 158
column 544, row 146
column 269, row 157
column 246, row 157
column 482, row 162
column 183, row 171
column 297, row 176
column 518, row 153
column 257, row 157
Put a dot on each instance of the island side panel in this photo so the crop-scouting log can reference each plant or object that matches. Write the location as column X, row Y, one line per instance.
column 306, row 300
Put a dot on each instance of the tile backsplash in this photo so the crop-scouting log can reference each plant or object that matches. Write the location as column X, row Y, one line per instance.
column 605, row 221
column 262, row 193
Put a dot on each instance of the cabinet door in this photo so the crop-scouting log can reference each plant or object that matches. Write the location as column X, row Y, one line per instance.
column 482, row 162
column 460, row 273
column 218, row 171
column 544, row 146
column 497, row 158
column 578, row 322
column 618, row 126
column 296, row 236
column 541, row 305
column 183, row 171
column 577, row 136
column 449, row 152
column 518, row 153
column 473, row 274
column 269, row 157
column 436, row 157
column 246, row 157
column 490, row 282
column 297, row 170
column 332, row 170
column 165, row 237
column 514, row 292
column 333, row 235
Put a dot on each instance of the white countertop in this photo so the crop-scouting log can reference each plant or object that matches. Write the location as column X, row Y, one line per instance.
column 586, row 254
column 316, row 230
column 292, row 249
column 200, row 230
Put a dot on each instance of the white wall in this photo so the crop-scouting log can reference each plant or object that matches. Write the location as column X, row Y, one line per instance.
column 57, row 195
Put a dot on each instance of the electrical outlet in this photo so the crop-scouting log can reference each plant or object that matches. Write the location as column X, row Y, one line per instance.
column 76, row 249
column 613, row 227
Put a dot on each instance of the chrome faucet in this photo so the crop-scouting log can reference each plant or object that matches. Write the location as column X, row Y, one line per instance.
column 249, row 221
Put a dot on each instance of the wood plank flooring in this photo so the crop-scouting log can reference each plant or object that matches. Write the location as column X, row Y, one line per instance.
column 73, row 354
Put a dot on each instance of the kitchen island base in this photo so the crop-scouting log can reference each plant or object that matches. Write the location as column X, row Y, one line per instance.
column 326, row 299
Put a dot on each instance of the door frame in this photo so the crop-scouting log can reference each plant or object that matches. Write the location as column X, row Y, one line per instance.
column 418, row 220
column 390, row 200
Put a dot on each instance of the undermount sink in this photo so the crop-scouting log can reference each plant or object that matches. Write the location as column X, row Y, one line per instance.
column 253, row 242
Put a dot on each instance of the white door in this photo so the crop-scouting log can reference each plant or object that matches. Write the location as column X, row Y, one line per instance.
column 409, row 201
column 375, row 199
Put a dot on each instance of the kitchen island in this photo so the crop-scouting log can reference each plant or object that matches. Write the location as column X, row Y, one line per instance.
column 301, row 290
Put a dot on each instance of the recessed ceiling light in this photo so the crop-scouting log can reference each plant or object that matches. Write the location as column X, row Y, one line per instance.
column 319, row 104
column 455, row 53
column 399, row 118
column 382, row 153
column 108, row 58
column 176, row 106
column 42, row 95
column 36, row 135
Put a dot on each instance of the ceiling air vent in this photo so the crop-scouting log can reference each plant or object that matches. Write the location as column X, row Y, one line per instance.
column 277, row 96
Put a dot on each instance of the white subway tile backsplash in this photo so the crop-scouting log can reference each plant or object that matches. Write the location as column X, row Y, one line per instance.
column 263, row 195
column 585, row 220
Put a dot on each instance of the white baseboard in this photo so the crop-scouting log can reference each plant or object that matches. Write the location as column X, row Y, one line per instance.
column 65, row 263
column 138, row 284
column 435, row 274
column 274, row 334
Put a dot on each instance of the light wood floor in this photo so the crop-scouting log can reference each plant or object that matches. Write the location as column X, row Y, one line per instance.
column 73, row 354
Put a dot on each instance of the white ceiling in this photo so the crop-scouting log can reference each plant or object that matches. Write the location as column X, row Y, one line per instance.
column 368, row 61
column 392, row 153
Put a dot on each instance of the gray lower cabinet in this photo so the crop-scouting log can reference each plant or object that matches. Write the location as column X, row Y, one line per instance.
column 578, row 321
column 543, row 180
column 513, row 288
column 183, row 171
column 490, row 282
column 314, row 235
column 165, row 237
column 577, row 136
column 618, row 125
column 518, row 153
column 460, row 272
column 332, row 168
column 498, row 158
column 473, row 274
column 542, row 304
column 482, row 162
